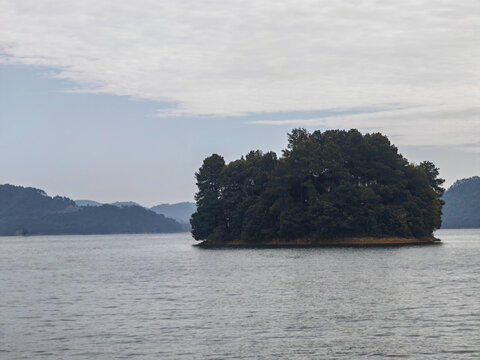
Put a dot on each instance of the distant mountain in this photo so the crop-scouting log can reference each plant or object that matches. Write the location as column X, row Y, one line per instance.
column 87, row 203
column 462, row 204
column 32, row 211
column 96, row 203
column 180, row 211
column 125, row 203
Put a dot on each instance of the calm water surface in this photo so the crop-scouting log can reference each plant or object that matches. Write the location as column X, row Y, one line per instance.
column 157, row 297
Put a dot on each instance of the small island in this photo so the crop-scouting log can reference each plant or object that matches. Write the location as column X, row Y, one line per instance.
column 328, row 188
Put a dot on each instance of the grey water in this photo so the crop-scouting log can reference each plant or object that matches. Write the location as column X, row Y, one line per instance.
column 158, row 297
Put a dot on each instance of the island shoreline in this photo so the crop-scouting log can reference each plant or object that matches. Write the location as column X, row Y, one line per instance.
column 316, row 242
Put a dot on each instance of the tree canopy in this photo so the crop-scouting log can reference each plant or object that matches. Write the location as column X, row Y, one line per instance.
column 326, row 184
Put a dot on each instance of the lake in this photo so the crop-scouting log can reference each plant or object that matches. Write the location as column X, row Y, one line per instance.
column 158, row 297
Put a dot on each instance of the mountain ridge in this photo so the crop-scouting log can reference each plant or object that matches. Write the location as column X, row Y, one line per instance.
column 31, row 211
column 181, row 211
column 462, row 204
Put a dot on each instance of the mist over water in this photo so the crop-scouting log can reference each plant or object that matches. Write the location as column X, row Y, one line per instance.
column 158, row 297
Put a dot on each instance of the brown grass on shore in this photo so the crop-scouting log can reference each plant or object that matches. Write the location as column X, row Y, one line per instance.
column 311, row 241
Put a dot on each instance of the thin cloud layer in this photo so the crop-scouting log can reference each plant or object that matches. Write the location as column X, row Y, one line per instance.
column 229, row 58
column 419, row 126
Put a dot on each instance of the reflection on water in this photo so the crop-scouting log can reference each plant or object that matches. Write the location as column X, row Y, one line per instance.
column 157, row 297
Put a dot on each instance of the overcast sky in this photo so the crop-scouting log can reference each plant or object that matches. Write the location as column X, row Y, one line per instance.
column 122, row 100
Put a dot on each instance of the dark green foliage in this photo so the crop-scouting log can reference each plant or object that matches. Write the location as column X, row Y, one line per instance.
column 30, row 211
column 209, row 182
column 433, row 179
column 332, row 184
column 462, row 204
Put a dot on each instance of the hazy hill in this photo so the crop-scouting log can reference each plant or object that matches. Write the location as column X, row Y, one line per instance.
column 32, row 211
column 462, row 204
column 96, row 203
column 87, row 203
column 180, row 211
column 125, row 203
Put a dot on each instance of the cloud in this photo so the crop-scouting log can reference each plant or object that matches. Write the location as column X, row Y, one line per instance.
column 417, row 126
column 232, row 58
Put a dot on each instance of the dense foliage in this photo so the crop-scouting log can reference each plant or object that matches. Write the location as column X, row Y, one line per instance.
column 462, row 204
column 31, row 211
column 326, row 185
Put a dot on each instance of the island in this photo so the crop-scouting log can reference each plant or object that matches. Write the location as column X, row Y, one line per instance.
column 335, row 187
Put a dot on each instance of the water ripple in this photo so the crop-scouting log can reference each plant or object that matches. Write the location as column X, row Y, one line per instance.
column 157, row 297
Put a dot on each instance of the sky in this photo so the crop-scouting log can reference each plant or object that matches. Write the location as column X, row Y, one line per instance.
column 122, row 100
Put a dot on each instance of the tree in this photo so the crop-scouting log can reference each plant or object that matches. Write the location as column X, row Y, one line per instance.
column 208, row 220
column 432, row 174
